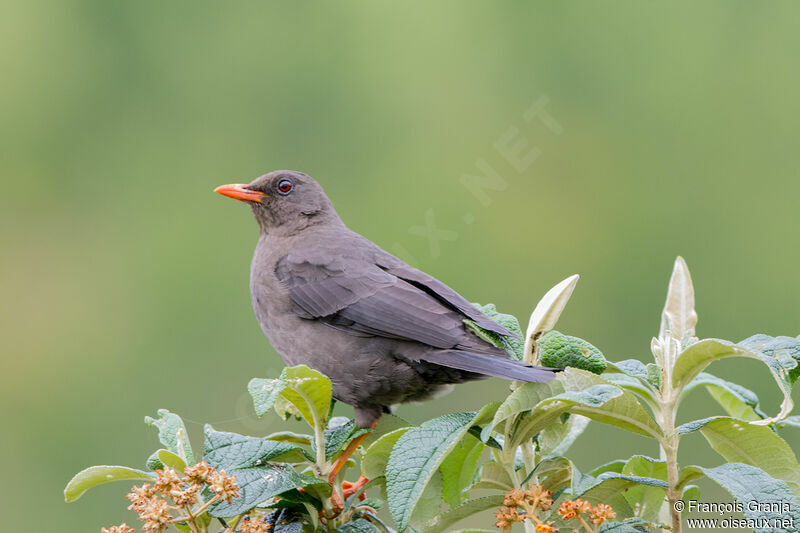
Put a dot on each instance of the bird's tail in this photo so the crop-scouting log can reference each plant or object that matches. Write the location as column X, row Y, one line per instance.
column 491, row 365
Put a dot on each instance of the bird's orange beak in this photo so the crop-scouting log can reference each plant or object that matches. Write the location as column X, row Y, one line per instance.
column 238, row 191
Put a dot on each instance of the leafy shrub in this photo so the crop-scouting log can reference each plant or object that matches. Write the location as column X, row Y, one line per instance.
column 509, row 457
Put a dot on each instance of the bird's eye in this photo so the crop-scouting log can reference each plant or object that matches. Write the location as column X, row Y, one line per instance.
column 285, row 186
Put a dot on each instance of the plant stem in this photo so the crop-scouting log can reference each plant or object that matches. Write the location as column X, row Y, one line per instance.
column 206, row 505
column 235, row 523
column 530, row 527
column 670, row 454
column 509, row 458
column 319, row 440
column 673, row 494
column 192, row 526
column 528, row 457
column 668, row 398
column 587, row 527
column 319, row 436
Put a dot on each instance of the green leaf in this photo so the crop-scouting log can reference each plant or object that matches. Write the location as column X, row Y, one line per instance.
column 687, row 475
column 153, row 463
column 645, row 500
column 442, row 522
column 635, row 377
column 309, row 392
column 523, row 399
column 546, row 314
column 375, row 459
column 301, row 501
column 654, row 375
column 339, row 437
column 624, row 527
column 631, row 367
column 587, row 402
column 285, row 521
column 613, row 466
column 265, row 392
column 698, row 356
column 375, row 503
column 359, row 525
column 763, row 497
column 553, row 473
column 691, row 492
column 299, row 391
column 610, row 484
column 386, row 424
column 429, row 505
column 741, row 442
column 172, row 434
column 608, row 488
column 232, row 451
column 634, row 385
column 97, row 475
column 736, row 400
column 557, row 438
column 286, row 409
column 458, row 469
column 513, row 346
column 782, row 348
column 623, row 411
column 418, row 454
column 477, row 432
column 258, row 484
column 249, row 459
column 591, row 396
column 494, row 476
column 288, row 436
column 557, row 350
column 679, row 318
column 167, row 458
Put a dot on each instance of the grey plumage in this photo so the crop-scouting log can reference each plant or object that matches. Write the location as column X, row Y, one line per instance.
column 383, row 331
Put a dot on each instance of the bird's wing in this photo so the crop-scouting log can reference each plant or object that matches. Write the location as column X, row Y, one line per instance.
column 431, row 285
column 361, row 297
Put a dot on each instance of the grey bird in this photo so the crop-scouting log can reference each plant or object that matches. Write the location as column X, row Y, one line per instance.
column 382, row 331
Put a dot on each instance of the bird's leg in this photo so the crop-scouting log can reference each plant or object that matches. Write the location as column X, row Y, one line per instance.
column 338, row 505
column 342, row 460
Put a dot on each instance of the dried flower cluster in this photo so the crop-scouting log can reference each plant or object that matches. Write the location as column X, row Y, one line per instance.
column 532, row 500
column 536, row 500
column 570, row 509
column 574, row 509
column 122, row 528
column 152, row 502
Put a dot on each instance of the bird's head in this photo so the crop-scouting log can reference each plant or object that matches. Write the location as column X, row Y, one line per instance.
column 284, row 201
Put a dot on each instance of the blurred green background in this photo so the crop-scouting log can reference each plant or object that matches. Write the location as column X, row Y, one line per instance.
column 670, row 128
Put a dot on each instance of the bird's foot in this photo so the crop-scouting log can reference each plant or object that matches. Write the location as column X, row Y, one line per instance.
column 349, row 489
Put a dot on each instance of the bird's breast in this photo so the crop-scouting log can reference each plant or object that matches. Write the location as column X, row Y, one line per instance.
column 269, row 296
